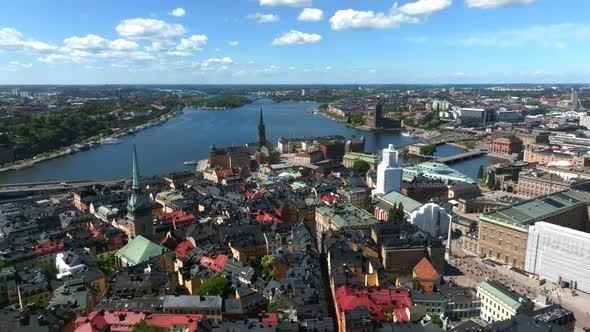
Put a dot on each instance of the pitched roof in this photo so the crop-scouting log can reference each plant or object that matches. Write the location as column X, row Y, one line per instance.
column 140, row 250
column 425, row 270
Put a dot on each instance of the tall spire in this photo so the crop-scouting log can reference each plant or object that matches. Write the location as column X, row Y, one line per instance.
column 136, row 184
column 261, row 121
column 261, row 131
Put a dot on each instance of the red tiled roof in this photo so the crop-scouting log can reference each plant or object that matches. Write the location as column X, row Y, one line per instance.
column 425, row 270
column 216, row 264
column 377, row 300
column 49, row 248
column 330, row 198
column 124, row 320
column 183, row 248
column 224, row 172
column 270, row 320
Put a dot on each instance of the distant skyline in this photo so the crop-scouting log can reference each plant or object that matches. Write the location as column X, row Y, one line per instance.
column 294, row 42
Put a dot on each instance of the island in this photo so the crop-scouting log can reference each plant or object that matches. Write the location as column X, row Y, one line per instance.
column 222, row 102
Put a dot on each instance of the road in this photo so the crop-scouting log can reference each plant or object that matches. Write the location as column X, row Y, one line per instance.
column 50, row 186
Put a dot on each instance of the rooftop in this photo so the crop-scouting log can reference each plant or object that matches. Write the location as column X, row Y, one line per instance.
column 140, row 250
column 528, row 212
column 502, row 293
column 344, row 214
column 436, row 170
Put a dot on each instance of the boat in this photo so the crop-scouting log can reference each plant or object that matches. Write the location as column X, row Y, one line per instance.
column 407, row 134
column 110, row 140
column 191, row 162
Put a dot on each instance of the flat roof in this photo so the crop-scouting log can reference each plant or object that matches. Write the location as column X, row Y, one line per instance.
column 528, row 212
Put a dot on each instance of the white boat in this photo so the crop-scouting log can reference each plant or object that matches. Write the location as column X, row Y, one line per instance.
column 407, row 134
column 191, row 162
column 110, row 140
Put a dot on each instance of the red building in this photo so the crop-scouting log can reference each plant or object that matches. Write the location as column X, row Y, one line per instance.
column 357, row 308
column 124, row 320
column 506, row 145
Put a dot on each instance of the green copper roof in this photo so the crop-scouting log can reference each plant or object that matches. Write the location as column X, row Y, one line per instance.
column 140, row 250
column 538, row 209
column 369, row 158
column 408, row 203
column 435, row 170
column 502, row 293
column 345, row 215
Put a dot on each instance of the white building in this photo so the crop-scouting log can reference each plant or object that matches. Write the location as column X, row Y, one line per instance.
column 559, row 254
column 389, row 173
column 440, row 105
column 432, row 219
column 585, row 121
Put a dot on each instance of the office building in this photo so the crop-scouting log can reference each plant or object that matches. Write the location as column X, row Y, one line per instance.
column 389, row 173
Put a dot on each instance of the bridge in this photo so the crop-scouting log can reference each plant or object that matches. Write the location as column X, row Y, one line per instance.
column 461, row 156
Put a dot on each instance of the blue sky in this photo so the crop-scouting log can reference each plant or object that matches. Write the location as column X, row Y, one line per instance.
column 294, row 41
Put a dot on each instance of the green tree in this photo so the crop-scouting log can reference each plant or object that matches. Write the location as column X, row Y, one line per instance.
column 368, row 203
column 49, row 269
column 400, row 212
column 435, row 319
column 106, row 262
column 491, row 182
column 361, row 167
column 216, row 285
column 267, row 271
column 480, row 172
column 144, row 327
column 392, row 278
column 4, row 263
column 392, row 214
column 428, row 149
column 275, row 306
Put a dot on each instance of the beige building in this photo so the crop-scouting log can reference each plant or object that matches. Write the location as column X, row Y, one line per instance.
column 499, row 302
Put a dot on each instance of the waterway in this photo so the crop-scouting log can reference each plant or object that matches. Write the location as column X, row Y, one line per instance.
column 164, row 148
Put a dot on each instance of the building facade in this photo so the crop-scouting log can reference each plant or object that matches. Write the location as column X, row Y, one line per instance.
column 559, row 254
column 389, row 173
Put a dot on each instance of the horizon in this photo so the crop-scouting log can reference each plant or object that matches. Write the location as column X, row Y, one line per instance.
column 295, row 42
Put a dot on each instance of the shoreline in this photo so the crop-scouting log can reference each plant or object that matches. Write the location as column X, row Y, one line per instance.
column 362, row 127
column 90, row 142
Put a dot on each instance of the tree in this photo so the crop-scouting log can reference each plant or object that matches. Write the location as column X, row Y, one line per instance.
column 368, row 203
column 435, row 319
column 216, row 285
column 480, row 172
column 267, row 271
column 400, row 212
column 428, row 149
column 106, row 262
column 144, row 327
column 391, row 215
column 361, row 167
column 392, row 278
column 4, row 263
column 49, row 269
column 491, row 183
column 275, row 306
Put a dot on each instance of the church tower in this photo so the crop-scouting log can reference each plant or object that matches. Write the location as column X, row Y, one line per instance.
column 261, row 131
column 139, row 207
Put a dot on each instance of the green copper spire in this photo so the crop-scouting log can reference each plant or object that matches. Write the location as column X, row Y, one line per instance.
column 136, row 183
column 138, row 205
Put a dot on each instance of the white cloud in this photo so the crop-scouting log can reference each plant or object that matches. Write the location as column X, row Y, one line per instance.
column 15, row 66
column 188, row 45
column 425, row 7
column 251, row 62
column 63, row 58
column 553, row 36
column 94, row 43
column 263, row 18
column 311, row 15
column 11, row 40
column 328, row 68
column 488, row 4
column 296, row 37
column 270, row 69
column 291, row 3
column 178, row 12
column 233, row 43
column 226, row 60
column 372, row 71
column 349, row 19
column 149, row 29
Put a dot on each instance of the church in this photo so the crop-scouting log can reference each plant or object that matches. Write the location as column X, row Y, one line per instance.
column 265, row 151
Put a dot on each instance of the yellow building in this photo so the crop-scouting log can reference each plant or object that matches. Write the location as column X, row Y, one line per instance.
column 499, row 302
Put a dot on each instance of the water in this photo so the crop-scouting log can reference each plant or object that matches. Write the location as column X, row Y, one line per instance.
column 164, row 148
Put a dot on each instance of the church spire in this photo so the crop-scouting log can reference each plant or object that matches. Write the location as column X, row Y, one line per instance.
column 136, row 184
column 261, row 120
column 261, row 131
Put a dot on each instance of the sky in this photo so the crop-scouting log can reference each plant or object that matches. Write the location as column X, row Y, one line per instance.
column 294, row 41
